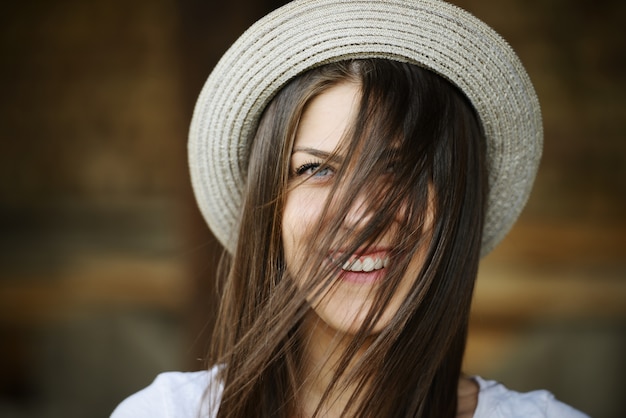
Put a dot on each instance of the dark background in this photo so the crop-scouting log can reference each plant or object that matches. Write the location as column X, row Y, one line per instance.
column 106, row 266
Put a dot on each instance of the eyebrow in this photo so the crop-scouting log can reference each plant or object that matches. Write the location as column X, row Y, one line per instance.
column 324, row 155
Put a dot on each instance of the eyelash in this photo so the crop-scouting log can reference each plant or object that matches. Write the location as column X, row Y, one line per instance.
column 316, row 167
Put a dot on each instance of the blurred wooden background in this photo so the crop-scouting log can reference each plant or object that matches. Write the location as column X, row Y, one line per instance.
column 105, row 263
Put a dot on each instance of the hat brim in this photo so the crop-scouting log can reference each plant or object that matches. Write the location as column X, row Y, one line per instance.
column 308, row 33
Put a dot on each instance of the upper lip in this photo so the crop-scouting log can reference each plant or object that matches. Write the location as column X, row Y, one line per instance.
column 361, row 253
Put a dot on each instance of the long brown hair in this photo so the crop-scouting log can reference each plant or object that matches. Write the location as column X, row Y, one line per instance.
column 419, row 133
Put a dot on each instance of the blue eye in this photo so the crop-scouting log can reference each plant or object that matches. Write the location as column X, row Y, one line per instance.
column 316, row 170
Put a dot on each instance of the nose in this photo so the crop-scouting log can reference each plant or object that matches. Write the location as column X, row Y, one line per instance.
column 359, row 213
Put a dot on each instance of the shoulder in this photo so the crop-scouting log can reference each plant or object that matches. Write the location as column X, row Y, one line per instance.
column 174, row 394
column 496, row 401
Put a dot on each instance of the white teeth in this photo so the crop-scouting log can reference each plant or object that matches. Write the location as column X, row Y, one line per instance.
column 378, row 264
column 357, row 266
column 366, row 264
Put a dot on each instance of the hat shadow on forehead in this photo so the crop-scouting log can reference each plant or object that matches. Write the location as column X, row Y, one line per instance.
column 309, row 33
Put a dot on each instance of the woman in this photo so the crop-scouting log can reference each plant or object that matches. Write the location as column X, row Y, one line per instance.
column 356, row 158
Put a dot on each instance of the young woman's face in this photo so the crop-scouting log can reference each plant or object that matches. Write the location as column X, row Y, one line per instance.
column 344, row 305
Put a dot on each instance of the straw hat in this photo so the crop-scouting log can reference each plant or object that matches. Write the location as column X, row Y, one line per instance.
column 308, row 33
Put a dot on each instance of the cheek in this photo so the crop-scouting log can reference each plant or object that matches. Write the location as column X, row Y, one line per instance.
column 301, row 214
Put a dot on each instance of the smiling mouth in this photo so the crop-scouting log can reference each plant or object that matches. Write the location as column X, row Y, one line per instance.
column 366, row 264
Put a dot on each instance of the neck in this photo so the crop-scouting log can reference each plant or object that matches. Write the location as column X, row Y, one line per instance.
column 324, row 349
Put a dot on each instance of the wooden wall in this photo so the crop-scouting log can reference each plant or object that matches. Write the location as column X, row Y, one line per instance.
column 105, row 264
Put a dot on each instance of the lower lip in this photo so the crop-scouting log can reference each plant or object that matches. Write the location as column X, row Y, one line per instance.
column 362, row 277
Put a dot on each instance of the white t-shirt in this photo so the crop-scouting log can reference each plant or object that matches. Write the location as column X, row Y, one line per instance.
column 183, row 395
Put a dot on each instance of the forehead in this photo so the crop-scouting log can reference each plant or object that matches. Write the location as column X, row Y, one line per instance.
column 327, row 117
